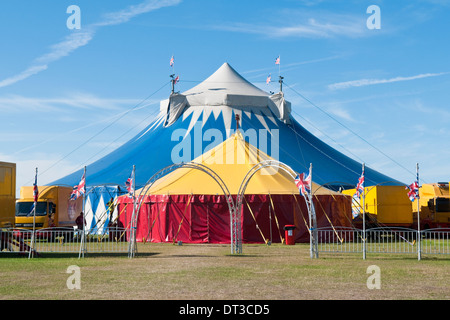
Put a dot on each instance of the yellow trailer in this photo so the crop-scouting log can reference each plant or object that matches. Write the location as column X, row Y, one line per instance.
column 434, row 205
column 386, row 205
column 7, row 193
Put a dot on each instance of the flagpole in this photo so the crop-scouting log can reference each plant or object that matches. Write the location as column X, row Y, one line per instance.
column 364, row 213
column 419, row 243
column 279, row 66
column 83, row 238
column 30, row 254
column 173, row 64
column 84, row 212
column 313, row 213
column 131, row 186
column 133, row 223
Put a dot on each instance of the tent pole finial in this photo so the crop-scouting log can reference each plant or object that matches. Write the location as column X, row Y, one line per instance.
column 237, row 118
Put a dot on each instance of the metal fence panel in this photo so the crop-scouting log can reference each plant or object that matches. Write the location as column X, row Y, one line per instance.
column 391, row 240
column 63, row 240
column 436, row 241
column 347, row 240
column 384, row 240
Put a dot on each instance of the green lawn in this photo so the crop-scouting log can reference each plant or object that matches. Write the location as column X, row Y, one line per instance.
column 166, row 271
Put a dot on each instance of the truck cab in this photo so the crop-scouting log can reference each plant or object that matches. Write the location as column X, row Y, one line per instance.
column 45, row 211
column 434, row 205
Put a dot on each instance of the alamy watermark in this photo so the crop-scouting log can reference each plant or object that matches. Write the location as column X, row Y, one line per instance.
column 74, row 280
column 198, row 143
column 74, row 20
column 374, row 280
column 374, row 21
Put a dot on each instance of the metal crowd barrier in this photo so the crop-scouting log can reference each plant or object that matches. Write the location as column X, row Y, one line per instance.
column 64, row 240
column 329, row 240
column 391, row 240
column 339, row 240
column 436, row 241
column 383, row 240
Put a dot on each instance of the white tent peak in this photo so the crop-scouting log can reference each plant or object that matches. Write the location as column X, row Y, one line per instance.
column 225, row 91
column 226, row 80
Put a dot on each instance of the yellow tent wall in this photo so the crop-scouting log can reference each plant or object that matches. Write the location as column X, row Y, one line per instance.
column 231, row 160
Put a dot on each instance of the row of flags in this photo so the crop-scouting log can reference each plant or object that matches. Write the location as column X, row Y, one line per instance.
column 177, row 78
column 413, row 188
column 303, row 183
column 80, row 189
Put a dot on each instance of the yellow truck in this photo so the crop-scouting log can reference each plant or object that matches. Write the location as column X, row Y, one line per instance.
column 386, row 206
column 7, row 194
column 434, row 205
column 53, row 210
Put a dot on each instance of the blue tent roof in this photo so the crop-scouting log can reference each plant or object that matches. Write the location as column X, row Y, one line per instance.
column 199, row 119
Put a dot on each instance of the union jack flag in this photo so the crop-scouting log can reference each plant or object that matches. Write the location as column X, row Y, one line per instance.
column 35, row 189
column 360, row 186
column 171, row 61
column 129, row 185
column 268, row 79
column 176, row 80
column 277, row 60
column 303, row 183
column 79, row 189
column 413, row 192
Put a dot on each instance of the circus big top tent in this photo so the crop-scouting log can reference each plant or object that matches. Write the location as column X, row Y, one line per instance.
column 201, row 118
column 195, row 121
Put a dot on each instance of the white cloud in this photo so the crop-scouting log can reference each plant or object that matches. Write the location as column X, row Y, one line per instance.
column 368, row 82
column 80, row 38
column 125, row 15
column 79, row 100
column 71, row 42
column 304, row 25
column 23, row 75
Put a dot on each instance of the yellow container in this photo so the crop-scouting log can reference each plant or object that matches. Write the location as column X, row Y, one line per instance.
column 7, row 193
column 387, row 205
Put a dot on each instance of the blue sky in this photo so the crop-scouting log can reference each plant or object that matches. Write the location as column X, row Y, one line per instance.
column 69, row 97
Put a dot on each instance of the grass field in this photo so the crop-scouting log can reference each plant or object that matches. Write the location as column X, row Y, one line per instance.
column 209, row 272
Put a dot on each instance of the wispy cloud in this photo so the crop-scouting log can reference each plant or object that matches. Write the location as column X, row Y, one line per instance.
column 80, row 38
column 289, row 66
column 78, row 100
column 369, row 82
column 23, row 75
column 304, row 25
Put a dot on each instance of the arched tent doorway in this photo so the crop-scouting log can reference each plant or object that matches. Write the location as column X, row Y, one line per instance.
column 145, row 191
